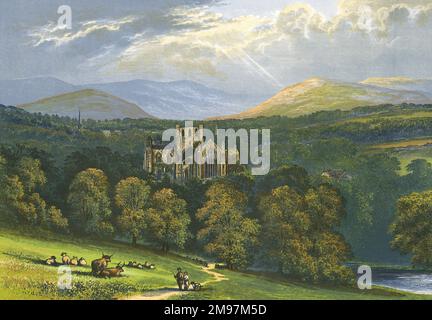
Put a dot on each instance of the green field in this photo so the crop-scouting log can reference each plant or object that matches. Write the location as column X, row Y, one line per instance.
column 330, row 96
column 242, row 286
column 383, row 116
column 406, row 151
column 23, row 275
column 404, row 144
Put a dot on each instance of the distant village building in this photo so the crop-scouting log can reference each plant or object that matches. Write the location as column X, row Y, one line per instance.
column 154, row 164
column 335, row 175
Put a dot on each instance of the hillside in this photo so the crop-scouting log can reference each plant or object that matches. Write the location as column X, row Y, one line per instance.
column 23, row 275
column 166, row 100
column 318, row 94
column 94, row 104
column 402, row 83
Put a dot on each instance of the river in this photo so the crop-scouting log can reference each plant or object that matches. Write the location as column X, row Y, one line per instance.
column 415, row 282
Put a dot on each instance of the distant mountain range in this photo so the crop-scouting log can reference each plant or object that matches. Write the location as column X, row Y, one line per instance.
column 166, row 100
column 92, row 104
column 318, row 94
column 189, row 100
column 179, row 99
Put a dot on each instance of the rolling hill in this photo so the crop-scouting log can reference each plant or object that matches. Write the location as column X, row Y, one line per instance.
column 402, row 83
column 317, row 94
column 176, row 100
column 93, row 104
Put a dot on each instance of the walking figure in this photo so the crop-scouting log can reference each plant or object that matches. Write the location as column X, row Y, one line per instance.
column 185, row 281
column 179, row 278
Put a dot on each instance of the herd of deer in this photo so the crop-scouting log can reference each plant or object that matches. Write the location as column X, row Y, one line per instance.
column 100, row 269
column 99, row 266
column 138, row 265
column 66, row 260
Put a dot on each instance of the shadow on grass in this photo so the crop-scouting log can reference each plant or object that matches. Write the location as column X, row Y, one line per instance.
column 35, row 260
column 26, row 258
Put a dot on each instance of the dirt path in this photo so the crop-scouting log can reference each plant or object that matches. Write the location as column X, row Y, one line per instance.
column 218, row 277
column 165, row 294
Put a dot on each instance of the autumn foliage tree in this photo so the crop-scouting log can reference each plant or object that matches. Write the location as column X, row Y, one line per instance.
column 132, row 197
column 299, row 233
column 167, row 220
column 227, row 233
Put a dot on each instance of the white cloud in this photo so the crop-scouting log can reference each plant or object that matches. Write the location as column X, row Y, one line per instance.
column 52, row 33
column 298, row 42
column 258, row 52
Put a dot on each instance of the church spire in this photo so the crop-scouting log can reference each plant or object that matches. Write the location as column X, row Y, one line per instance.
column 79, row 118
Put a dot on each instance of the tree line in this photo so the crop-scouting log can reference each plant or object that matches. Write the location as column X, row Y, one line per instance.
column 291, row 229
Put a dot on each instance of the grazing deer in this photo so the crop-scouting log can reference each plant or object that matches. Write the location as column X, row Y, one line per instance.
column 112, row 272
column 65, row 258
column 74, row 261
column 82, row 262
column 100, row 264
column 51, row 261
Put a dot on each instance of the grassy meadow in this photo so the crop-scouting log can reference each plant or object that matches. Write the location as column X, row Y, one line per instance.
column 406, row 151
column 23, row 275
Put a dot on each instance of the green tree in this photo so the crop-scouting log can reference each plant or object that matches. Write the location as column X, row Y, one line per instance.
column 299, row 233
column 227, row 233
column 13, row 199
column 3, row 181
column 412, row 227
column 419, row 178
column 167, row 220
column 31, row 174
column 132, row 198
column 56, row 220
column 24, row 205
column 90, row 204
column 2, row 167
column 295, row 177
column 193, row 192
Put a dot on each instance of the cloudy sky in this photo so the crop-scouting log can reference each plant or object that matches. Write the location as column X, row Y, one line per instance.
column 236, row 45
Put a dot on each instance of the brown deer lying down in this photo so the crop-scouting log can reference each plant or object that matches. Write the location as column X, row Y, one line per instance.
column 82, row 262
column 133, row 264
column 74, row 261
column 65, row 258
column 138, row 265
column 112, row 272
column 100, row 264
column 51, row 261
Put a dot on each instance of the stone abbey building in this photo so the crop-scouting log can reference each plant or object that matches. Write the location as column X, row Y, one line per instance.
column 182, row 172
